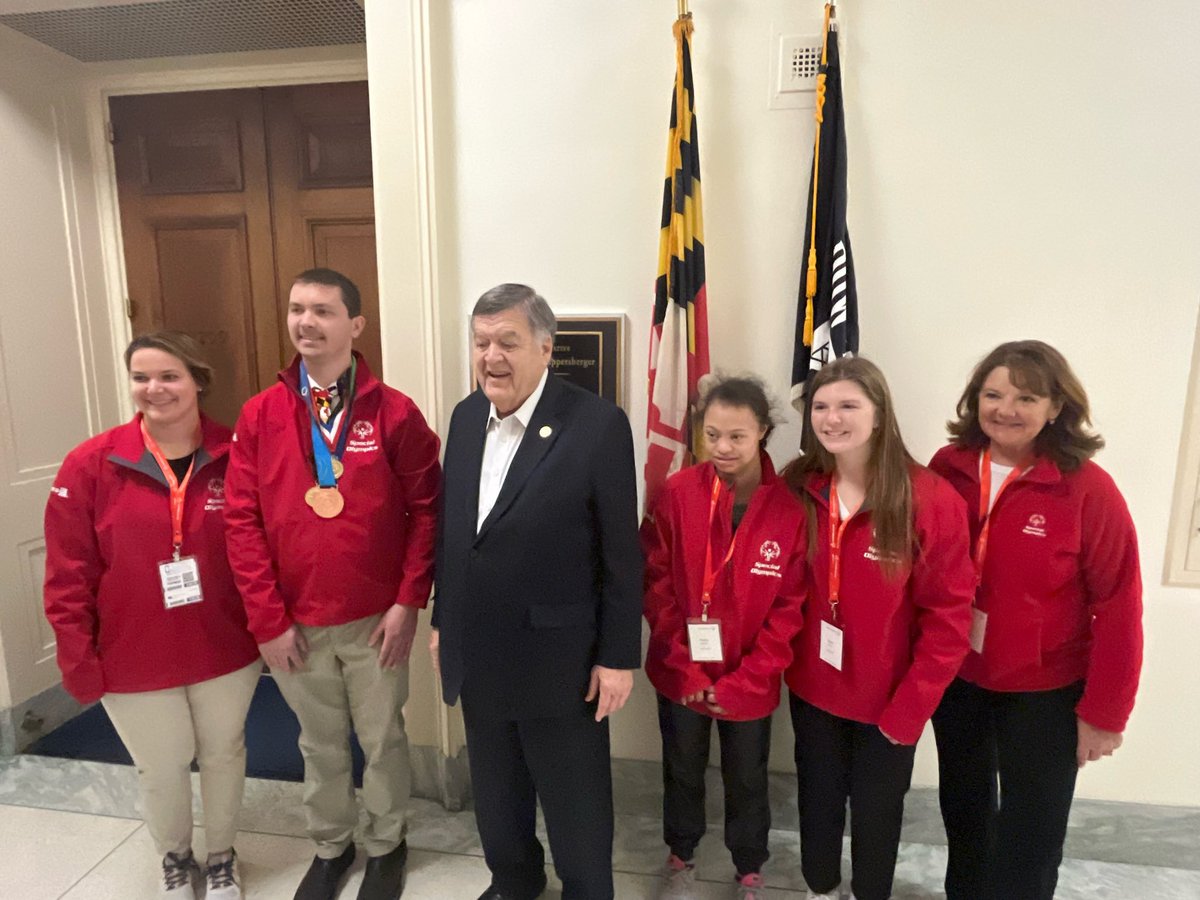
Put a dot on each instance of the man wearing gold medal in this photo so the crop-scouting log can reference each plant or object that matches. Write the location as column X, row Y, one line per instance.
column 331, row 506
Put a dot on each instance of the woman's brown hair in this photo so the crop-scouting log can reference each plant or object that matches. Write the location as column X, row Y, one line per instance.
column 889, row 482
column 1038, row 368
column 182, row 346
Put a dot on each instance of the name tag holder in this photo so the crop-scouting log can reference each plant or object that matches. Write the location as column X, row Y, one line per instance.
column 180, row 579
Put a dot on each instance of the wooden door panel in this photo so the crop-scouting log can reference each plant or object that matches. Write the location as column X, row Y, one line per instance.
column 194, row 196
column 200, row 156
column 318, row 136
column 204, row 267
column 349, row 247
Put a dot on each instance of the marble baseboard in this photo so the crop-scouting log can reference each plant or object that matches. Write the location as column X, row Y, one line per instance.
column 23, row 724
column 438, row 777
column 1125, row 833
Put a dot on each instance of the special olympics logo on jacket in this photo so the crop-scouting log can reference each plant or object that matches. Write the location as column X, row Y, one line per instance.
column 769, row 551
column 1036, row 525
column 364, row 437
column 215, row 501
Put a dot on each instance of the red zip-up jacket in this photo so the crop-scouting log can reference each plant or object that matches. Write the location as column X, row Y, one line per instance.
column 758, row 595
column 293, row 566
column 1062, row 587
column 108, row 526
column 903, row 638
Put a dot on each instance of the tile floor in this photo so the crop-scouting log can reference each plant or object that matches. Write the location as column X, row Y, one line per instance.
column 70, row 830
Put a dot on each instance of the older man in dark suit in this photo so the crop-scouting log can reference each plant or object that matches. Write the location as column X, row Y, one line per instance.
column 537, row 611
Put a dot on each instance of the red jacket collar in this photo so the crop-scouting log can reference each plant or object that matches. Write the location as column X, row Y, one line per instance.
column 966, row 460
column 127, row 440
column 768, row 471
column 365, row 379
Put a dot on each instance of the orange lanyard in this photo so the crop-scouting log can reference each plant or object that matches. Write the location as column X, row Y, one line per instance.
column 836, row 529
column 986, row 505
column 710, row 574
column 178, row 489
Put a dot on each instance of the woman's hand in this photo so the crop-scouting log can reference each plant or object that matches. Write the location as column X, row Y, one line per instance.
column 710, row 700
column 697, row 697
column 1095, row 743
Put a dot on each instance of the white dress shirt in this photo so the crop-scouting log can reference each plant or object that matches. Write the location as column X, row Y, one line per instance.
column 500, row 446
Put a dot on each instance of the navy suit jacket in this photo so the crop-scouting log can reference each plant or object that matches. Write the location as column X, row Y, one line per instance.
column 552, row 582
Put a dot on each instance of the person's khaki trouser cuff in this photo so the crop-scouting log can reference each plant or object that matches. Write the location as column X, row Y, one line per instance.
column 343, row 685
column 165, row 730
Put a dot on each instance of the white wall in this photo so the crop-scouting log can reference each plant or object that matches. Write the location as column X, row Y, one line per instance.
column 56, row 363
column 1017, row 170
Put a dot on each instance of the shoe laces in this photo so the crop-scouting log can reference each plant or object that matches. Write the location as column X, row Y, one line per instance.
column 177, row 870
column 220, row 875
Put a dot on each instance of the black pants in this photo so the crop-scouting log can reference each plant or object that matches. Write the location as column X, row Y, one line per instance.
column 836, row 760
column 745, row 747
column 564, row 763
column 1006, row 774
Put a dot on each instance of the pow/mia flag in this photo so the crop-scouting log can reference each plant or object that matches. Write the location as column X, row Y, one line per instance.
column 827, row 313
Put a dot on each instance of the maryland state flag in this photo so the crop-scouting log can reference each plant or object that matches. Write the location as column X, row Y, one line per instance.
column 679, row 337
column 827, row 316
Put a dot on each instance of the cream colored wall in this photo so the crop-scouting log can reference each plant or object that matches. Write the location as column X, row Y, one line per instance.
column 56, row 364
column 1017, row 170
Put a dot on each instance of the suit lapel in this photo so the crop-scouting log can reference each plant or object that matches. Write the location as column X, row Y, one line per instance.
column 475, row 429
column 544, row 429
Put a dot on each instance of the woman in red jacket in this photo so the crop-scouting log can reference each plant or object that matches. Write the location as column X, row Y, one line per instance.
column 1056, row 636
column 885, row 628
column 144, row 609
column 724, row 547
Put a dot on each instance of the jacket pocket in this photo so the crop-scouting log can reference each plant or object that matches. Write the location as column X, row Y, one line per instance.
column 562, row 615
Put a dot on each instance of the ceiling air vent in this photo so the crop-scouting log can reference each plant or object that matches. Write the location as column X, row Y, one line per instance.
column 187, row 27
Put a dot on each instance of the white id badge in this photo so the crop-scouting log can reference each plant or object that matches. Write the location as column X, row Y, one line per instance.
column 704, row 640
column 180, row 582
column 831, row 644
column 978, row 628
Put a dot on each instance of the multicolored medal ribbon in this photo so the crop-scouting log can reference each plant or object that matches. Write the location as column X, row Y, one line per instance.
column 324, row 497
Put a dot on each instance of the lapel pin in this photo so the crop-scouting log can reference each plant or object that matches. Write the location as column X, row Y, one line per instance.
column 545, row 431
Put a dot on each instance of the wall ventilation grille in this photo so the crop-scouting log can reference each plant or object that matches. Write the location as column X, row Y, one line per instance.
column 187, row 27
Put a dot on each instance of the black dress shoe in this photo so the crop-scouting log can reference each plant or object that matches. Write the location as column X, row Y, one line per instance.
column 494, row 893
column 384, row 877
column 321, row 880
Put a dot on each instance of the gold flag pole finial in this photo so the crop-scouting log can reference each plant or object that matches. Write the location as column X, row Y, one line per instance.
column 683, row 8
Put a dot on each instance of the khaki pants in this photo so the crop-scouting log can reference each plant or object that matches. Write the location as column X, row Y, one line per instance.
column 341, row 686
column 165, row 730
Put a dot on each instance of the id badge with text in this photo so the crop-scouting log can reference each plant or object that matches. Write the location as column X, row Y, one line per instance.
column 832, row 639
column 978, row 628
column 704, row 640
column 180, row 582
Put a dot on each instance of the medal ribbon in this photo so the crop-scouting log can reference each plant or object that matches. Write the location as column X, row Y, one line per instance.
column 836, row 529
column 986, row 505
column 324, row 448
column 710, row 574
column 178, row 489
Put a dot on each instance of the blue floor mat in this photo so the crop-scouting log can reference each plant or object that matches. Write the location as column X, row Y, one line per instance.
column 271, row 735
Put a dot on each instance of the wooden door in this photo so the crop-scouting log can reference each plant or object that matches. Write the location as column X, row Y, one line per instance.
column 319, row 141
column 225, row 196
column 195, row 202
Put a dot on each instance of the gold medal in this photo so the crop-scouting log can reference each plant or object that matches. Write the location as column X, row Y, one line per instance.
column 338, row 468
column 327, row 503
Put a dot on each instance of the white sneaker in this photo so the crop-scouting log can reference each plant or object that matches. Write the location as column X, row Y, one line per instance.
column 832, row 895
column 179, row 876
column 678, row 880
column 224, row 882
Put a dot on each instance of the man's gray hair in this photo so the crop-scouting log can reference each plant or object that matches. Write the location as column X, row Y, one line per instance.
column 512, row 296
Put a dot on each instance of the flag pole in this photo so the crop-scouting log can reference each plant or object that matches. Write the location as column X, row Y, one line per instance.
column 819, row 113
column 682, row 6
